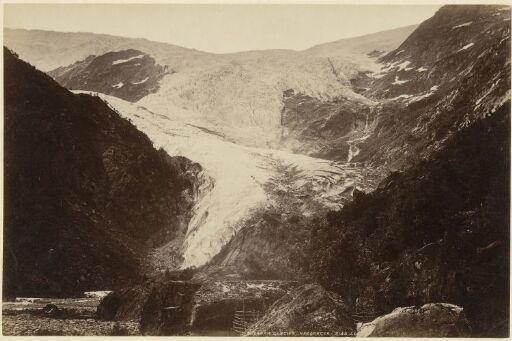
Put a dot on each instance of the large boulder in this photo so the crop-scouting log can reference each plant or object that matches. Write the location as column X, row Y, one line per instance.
column 429, row 320
column 124, row 304
column 308, row 310
column 161, row 307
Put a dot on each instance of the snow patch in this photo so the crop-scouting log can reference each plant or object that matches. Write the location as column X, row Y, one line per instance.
column 398, row 81
column 428, row 94
column 255, row 286
column 97, row 294
column 27, row 300
column 422, row 69
column 352, row 151
column 389, row 66
column 486, row 93
column 118, row 85
column 400, row 97
column 403, row 66
column 377, row 75
column 463, row 25
column 465, row 47
column 142, row 81
column 120, row 61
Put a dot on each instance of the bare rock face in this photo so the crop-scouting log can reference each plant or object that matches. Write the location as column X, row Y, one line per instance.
column 128, row 74
column 429, row 320
column 307, row 310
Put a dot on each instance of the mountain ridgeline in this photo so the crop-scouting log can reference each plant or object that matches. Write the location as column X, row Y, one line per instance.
column 86, row 194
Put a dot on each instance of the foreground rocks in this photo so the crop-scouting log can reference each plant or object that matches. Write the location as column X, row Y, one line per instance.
column 162, row 308
column 217, row 303
column 175, row 307
column 308, row 310
column 429, row 320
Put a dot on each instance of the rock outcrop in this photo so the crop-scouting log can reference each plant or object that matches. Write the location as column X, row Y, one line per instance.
column 324, row 128
column 308, row 310
column 128, row 74
column 429, row 320
column 176, row 307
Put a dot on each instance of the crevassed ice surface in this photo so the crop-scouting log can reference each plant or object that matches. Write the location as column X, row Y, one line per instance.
column 238, row 173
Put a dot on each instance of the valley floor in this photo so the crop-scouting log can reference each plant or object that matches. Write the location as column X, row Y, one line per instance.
column 76, row 317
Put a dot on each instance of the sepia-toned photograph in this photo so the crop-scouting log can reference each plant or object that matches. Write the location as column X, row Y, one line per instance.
column 256, row 169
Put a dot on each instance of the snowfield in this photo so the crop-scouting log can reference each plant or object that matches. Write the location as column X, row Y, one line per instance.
column 241, row 96
column 465, row 47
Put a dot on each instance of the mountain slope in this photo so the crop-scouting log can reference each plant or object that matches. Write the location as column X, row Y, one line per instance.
column 86, row 194
column 453, row 69
column 438, row 232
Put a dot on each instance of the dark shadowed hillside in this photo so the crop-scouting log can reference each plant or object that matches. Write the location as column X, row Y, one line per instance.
column 438, row 232
column 86, row 194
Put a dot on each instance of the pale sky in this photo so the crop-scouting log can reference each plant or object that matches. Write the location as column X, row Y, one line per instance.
column 220, row 28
